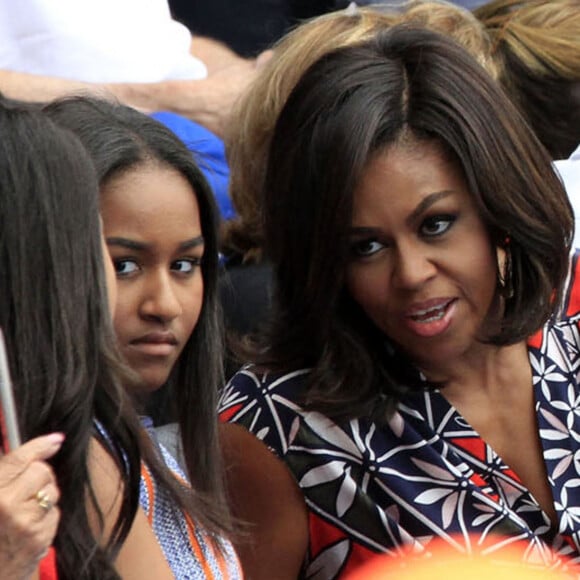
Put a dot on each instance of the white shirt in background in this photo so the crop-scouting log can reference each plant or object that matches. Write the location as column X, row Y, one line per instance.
column 96, row 40
column 569, row 170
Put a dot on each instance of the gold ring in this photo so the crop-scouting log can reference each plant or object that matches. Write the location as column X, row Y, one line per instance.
column 43, row 500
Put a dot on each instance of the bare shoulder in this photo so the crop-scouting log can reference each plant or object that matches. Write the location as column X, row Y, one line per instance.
column 108, row 486
column 140, row 555
column 264, row 494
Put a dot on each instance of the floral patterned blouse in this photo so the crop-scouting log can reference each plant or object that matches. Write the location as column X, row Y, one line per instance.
column 427, row 474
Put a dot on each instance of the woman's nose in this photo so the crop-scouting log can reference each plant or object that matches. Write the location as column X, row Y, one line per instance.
column 413, row 267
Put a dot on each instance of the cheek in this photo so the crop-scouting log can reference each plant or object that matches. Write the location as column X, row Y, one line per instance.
column 483, row 271
column 369, row 290
column 194, row 304
column 126, row 311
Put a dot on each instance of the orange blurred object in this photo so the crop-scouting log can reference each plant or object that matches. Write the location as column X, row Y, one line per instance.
column 446, row 563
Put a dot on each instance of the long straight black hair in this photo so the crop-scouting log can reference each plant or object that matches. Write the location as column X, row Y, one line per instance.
column 120, row 139
column 53, row 311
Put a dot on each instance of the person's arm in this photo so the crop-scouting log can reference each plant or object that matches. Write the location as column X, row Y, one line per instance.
column 38, row 88
column 28, row 513
column 264, row 494
column 207, row 101
column 140, row 556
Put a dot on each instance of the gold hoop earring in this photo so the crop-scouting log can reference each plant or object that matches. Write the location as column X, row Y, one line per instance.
column 505, row 274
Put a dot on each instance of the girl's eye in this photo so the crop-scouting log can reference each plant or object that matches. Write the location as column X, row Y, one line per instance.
column 185, row 266
column 125, row 267
column 437, row 225
column 365, row 248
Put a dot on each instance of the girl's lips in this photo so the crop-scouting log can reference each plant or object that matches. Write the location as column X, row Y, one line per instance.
column 431, row 318
column 155, row 344
column 154, row 348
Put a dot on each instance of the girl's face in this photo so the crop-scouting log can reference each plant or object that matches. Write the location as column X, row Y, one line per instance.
column 153, row 232
column 422, row 267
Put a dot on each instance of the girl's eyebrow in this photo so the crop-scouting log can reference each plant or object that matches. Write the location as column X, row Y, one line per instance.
column 127, row 243
column 143, row 246
column 192, row 243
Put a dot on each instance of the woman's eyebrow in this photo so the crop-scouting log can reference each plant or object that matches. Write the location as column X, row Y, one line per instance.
column 360, row 231
column 421, row 208
column 426, row 203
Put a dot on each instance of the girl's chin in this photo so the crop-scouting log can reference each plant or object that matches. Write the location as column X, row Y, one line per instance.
column 146, row 385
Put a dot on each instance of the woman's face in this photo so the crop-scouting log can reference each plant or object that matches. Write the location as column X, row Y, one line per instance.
column 422, row 265
column 153, row 232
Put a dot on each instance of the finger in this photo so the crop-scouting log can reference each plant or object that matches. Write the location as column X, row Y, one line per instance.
column 36, row 477
column 46, row 500
column 53, row 492
column 49, row 528
column 39, row 448
column 16, row 462
column 25, row 535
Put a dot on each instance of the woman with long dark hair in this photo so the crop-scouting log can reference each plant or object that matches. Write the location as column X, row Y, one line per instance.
column 160, row 225
column 418, row 375
column 67, row 376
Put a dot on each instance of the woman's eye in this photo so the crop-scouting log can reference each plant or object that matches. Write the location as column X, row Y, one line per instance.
column 185, row 266
column 125, row 267
column 364, row 248
column 437, row 225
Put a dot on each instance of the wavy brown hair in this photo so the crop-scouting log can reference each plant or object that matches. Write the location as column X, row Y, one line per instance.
column 253, row 120
column 536, row 44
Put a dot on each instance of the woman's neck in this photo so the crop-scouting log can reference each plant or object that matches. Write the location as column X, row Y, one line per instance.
column 488, row 370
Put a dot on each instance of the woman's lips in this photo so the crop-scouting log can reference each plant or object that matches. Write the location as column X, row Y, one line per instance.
column 155, row 344
column 430, row 318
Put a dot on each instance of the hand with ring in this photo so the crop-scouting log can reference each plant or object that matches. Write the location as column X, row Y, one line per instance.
column 29, row 514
